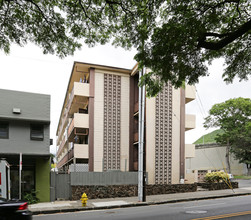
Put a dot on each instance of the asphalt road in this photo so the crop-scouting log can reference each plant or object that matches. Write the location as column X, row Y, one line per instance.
column 244, row 183
column 227, row 208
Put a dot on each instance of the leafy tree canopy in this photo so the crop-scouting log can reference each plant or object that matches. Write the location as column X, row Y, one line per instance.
column 234, row 118
column 174, row 38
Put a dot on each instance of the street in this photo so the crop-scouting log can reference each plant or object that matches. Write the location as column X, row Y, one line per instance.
column 226, row 208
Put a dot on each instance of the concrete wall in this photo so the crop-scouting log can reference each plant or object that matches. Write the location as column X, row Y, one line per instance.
column 43, row 179
column 98, row 122
column 124, row 145
column 150, row 139
column 19, row 140
column 212, row 157
column 176, row 137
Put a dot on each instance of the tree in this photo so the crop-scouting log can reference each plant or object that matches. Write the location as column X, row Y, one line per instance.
column 174, row 38
column 234, row 118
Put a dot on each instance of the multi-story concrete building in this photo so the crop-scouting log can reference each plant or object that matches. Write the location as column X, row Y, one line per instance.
column 98, row 126
column 25, row 129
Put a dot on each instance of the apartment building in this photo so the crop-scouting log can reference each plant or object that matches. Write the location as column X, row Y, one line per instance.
column 98, row 125
column 25, row 129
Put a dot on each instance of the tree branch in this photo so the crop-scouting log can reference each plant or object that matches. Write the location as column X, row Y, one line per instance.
column 118, row 3
column 86, row 15
column 228, row 37
column 39, row 9
column 208, row 7
column 5, row 14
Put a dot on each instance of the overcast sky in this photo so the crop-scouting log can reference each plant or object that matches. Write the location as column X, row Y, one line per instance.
column 27, row 69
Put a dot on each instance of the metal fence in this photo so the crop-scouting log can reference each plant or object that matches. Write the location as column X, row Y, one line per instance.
column 61, row 182
column 60, row 186
column 103, row 178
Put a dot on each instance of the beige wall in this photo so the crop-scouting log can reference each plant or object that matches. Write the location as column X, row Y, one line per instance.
column 190, row 93
column 124, row 150
column 213, row 158
column 150, row 139
column 81, row 151
column 81, row 89
column 190, row 122
column 176, row 137
column 189, row 150
column 81, row 120
column 98, row 121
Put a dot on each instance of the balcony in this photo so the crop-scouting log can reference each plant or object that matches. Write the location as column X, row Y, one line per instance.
column 190, row 93
column 77, row 98
column 79, row 121
column 81, row 151
column 63, row 123
column 61, row 146
column 189, row 122
column 63, row 161
column 190, row 150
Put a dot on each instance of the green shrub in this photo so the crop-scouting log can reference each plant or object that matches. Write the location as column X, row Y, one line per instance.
column 216, row 177
column 31, row 198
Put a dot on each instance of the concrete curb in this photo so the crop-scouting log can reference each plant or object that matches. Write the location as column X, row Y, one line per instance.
column 77, row 209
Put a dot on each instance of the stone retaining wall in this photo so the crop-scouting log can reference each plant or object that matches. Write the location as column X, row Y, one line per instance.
column 218, row 186
column 94, row 192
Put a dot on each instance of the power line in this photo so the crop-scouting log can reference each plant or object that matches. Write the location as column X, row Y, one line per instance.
column 200, row 101
column 198, row 104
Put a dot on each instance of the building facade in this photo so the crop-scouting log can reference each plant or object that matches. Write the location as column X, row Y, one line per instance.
column 98, row 126
column 212, row 157
column 25, row 129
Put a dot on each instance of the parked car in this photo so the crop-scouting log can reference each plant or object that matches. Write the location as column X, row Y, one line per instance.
column 14, row 209
column 230, row 176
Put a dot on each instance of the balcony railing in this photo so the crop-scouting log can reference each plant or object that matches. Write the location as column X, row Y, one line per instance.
column 81, row 151
column 61, row 146
column 76, row 151
column 63, row 161
column 190, row 93
column 79, row 89
column 190, row 122
column 79, row 121
column 190, row 150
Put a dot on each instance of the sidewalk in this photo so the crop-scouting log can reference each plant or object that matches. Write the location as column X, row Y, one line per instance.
column 92, row 204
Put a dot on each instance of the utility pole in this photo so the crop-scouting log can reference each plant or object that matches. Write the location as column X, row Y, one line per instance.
column 141, row 154
column 20, row 176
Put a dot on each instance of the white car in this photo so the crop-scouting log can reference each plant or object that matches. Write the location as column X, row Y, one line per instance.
column 230, row 176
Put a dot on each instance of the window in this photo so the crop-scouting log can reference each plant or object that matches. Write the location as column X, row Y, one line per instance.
column 4, row 130
column 37, row 132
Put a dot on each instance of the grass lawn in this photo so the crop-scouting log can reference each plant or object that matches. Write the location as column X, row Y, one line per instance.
column 243, row 177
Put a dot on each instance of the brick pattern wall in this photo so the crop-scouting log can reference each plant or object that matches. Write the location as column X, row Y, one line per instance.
column 163, row 134
column 112, row 121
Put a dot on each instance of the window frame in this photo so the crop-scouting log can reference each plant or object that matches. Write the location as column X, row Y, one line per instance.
column 7, row 129
column 32, row 131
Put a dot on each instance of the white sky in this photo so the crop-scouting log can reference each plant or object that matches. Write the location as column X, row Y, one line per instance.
column 27, row 69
